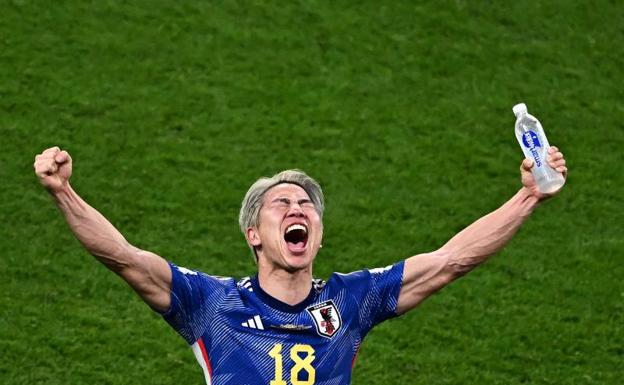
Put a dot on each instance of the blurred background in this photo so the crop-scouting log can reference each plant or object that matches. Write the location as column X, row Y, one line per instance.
column 401, row 109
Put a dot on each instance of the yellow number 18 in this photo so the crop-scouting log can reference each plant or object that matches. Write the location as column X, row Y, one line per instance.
column 301, row 363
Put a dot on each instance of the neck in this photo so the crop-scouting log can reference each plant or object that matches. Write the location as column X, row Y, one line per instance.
column 288, row 287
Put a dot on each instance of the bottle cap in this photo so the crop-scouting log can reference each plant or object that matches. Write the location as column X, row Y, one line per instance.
column 519, row 109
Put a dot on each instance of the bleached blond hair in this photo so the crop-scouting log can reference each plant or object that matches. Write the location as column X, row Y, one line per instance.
column 249, row 215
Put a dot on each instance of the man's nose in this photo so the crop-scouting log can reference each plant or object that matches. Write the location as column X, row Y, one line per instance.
column 295, row 210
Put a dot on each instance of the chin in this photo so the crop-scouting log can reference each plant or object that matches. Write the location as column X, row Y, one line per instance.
column 294, row 269
column 297, row 263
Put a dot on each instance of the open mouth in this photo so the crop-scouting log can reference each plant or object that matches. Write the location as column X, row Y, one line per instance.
column 296, row 237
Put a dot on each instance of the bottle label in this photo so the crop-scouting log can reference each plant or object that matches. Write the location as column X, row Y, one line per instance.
column 531, row 142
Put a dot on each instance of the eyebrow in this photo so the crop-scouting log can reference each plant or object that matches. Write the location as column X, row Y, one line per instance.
column 299, row 201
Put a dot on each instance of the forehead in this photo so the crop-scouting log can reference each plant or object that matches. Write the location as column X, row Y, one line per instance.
column 287, row 190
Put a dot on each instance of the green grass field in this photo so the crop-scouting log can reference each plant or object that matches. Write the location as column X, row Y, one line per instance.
column 401, row 110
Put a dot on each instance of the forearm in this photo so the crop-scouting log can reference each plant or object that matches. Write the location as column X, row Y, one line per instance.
column 424, row 274
column 486, row 236
column 147, row 273
column 94, row 231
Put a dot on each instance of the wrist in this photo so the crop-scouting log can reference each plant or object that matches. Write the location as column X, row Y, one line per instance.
column 60, row 192
column 528, row 198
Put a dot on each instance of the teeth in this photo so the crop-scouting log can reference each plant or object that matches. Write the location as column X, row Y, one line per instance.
column 296, row 227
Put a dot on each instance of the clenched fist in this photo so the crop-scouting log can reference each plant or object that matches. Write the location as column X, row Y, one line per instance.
column 53, row 167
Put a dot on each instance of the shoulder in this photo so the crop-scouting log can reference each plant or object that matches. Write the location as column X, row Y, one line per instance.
column 191, row 277
column 363, row 279
column 359, row 275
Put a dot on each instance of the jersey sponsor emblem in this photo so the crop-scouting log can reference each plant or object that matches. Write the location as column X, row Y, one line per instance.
column 326, row 318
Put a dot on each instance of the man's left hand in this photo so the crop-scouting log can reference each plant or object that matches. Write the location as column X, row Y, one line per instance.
column 555, row 160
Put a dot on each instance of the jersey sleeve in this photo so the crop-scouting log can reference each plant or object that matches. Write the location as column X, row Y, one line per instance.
column 195, row 298
column 376, row 294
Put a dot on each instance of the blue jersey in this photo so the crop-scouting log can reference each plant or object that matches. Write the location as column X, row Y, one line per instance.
column 242, row 336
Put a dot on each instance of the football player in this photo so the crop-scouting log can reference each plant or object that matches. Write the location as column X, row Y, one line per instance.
column 282, row 326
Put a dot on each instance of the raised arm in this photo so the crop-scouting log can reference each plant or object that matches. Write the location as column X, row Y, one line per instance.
column 147, row 273
column 424, row 274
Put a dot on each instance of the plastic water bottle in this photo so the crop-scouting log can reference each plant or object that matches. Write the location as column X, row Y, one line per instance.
column 534, row 144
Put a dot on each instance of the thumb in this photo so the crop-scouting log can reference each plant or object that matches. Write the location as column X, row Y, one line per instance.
column 526, row 165
column 61, row 157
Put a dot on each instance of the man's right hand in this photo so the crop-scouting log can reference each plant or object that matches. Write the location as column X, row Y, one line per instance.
column 53, row 167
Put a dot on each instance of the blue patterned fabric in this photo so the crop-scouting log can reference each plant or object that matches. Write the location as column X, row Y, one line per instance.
column 241, row 335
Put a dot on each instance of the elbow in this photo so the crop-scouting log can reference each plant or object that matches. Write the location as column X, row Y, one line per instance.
column 118, row 259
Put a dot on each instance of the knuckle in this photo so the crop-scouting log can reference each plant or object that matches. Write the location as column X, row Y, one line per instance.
column 54, row 149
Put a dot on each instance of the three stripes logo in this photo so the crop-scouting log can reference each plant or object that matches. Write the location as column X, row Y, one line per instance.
column 254, row 323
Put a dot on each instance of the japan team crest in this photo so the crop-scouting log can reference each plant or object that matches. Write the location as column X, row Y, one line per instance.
column 326, row 318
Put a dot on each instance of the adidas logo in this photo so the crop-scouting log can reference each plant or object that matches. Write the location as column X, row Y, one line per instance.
column 254, row 323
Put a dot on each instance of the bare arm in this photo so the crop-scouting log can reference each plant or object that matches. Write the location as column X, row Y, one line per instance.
column 147, row 273
column 424, row 274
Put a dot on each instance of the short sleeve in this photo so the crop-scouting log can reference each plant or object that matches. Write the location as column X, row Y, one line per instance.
column 195, row 297
column 376, row 292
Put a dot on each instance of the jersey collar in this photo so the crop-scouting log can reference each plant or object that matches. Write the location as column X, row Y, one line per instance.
column 276, row 303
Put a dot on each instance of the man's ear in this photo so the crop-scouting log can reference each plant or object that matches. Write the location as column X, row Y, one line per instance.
column 253, row 237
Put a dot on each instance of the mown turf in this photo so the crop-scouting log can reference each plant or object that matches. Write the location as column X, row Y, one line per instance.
column 401, row 109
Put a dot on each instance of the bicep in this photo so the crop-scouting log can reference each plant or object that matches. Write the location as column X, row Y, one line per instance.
column 150, row 276
column 423, row 275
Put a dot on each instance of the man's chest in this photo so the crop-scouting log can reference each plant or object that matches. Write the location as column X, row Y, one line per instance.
column 249, row 340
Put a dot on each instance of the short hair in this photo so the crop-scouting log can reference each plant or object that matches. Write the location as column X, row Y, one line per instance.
column 249, row 215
